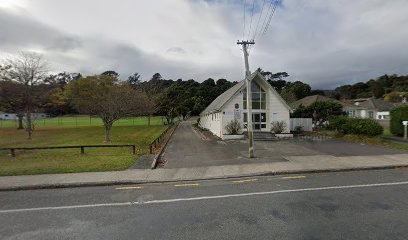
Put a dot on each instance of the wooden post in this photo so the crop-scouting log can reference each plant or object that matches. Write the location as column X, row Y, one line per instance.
column 82, row 150
column 151, row 148
column 134, row 149
column 249, row 96
column 13, row 152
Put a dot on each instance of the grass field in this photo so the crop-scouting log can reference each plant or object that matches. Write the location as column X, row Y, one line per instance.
column 70, row 160
column 80, row 121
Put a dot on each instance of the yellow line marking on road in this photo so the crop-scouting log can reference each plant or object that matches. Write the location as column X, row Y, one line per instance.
column 187, row 185
column 128, row 188
column 294, row 177
column 246, row 180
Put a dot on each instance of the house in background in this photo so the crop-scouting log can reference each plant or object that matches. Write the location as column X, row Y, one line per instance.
column 13, row 116
column 349, row 108
column 7, row 116
column 359, row 108
column 267, row 107
column 373, row 108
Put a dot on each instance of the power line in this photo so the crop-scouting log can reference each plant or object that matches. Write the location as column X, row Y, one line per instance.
column 252, row 14
column 243, row 33
column 266, row 16
column 259, row 19
column 275, row 5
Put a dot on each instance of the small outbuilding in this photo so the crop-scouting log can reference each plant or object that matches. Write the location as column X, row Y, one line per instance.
column 267, row 107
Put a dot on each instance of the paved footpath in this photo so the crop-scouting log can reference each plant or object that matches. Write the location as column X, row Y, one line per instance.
column 294, row 164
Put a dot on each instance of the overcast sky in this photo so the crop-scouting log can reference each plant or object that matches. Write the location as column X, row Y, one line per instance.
column 324, row 43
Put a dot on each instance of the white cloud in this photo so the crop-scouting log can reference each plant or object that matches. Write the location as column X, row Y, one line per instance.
column 324, row 43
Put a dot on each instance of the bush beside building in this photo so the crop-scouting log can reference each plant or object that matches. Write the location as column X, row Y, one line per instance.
column 398, row 114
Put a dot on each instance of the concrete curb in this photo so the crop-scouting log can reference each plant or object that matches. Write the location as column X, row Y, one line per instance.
column 159, row 154
column 128, row 182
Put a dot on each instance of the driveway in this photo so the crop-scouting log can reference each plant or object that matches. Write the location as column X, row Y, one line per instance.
column 190, row 147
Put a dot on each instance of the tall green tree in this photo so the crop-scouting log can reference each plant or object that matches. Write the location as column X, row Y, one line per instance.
column 110, row 73
column 320, row 111
column 134, row 80
column 106, row 98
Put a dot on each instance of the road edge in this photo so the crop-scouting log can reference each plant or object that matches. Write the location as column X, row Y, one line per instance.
column 136, row 182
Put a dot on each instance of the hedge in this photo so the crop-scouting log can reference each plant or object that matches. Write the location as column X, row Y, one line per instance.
column 347, row 125
column 398, row 114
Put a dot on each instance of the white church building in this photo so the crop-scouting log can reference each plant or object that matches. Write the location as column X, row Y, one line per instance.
column 267, row 106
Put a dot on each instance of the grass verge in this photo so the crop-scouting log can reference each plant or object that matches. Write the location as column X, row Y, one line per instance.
column 70, row 160
column 376, row 141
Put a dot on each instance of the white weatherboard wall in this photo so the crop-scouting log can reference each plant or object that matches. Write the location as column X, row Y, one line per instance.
column 212, row 122
column 276, row 110
column 274, row 107
column 383, row 115
column 228, row 111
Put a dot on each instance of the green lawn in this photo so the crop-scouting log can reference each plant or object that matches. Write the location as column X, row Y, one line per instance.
column 81, row 121
column 377, row 141
column 387, row 132
column 70, row 160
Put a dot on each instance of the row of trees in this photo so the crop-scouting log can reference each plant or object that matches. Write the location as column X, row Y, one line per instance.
column 379, row 87
column 290, row 91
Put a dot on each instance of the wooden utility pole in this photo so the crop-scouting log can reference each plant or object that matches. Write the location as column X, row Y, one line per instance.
column 245, row 45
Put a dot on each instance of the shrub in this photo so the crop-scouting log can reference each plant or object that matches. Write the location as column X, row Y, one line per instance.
column 320, row 111
column 233, row 127
column 346, row 125
column 278, row 126
column 398, row 114
column 337, row 123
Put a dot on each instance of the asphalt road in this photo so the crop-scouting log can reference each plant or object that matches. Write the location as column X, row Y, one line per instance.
column 343, row 205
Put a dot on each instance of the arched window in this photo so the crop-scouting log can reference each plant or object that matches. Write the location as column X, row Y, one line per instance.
column 258, row 97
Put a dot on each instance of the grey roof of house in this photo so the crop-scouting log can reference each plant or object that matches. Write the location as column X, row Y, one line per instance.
column 378, row 104
column 309, row 100
column 217, row 104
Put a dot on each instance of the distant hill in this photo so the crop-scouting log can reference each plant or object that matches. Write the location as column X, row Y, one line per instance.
column 377, row 88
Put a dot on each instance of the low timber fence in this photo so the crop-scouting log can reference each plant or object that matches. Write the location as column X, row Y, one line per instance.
column 82, row 147
column 156, row 142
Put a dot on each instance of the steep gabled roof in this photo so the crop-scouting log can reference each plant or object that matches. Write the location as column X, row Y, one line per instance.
column 217, row 104
column 309, row 100
column 222, row 99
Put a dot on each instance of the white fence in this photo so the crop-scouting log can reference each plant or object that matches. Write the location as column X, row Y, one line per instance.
column 305, row 123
